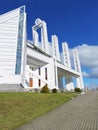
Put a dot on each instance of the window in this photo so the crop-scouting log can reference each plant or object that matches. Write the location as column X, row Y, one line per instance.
column 46, row 74
column 31, row 67
column 39, row 71
column 19, row 42
column 39, row 82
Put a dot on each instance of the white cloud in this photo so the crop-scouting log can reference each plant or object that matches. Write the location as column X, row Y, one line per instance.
column 88, row 55
column 89, row 59
column 85, row 74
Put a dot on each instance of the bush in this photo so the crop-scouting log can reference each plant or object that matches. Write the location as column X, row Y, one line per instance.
column 54, row 90
column 77, row 90
column 62, row 90
column 45, row 89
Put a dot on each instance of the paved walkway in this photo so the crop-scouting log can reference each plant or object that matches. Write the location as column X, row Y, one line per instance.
column 80, row 113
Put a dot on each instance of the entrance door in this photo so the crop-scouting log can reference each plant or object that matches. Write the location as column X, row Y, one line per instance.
column 31, row 82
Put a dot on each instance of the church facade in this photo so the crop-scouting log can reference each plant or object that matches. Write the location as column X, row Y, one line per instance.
column 33, row 64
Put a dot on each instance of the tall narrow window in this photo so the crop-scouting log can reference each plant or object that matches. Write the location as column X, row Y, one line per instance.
column 39, row 82
column 39, row 71
column 19, row 41
column 46, row 77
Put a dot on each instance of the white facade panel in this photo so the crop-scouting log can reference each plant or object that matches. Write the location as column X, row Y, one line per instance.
column 8, row 43
column 12, row 79
column 12, row 46
column 51, row 75
column 35, row 79
column 8, row 63
column 4, row 18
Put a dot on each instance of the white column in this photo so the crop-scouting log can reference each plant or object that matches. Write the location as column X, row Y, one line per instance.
column 60, row 82
column 35, row 36
column 66, row 57
column 66, row 61
column 55, row 45
column 55, row 74
column 69, row 84
column 39, row 24
column 79, row 80
column 44, row 37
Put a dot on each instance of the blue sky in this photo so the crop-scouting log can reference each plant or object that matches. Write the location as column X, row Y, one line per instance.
column 73, row 21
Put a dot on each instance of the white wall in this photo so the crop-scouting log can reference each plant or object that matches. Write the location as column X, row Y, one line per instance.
column 9, row 24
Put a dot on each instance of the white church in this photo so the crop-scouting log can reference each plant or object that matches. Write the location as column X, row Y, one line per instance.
column 31, row 65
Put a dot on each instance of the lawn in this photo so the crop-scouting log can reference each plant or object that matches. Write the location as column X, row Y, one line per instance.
column 16, row 109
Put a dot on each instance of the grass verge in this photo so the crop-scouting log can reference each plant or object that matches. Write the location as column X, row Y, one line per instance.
column 16, row 109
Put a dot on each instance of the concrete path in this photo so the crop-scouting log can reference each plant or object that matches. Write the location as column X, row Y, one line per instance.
column 80, row 113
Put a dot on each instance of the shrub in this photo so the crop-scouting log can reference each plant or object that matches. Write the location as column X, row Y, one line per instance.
column 62, row 90
column 45, row 89
column 54, row 90
column 77, row 90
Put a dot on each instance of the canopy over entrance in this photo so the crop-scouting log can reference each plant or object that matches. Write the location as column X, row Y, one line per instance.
column 36, row 57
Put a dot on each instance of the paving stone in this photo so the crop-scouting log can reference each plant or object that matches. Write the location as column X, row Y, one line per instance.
column 80, row 113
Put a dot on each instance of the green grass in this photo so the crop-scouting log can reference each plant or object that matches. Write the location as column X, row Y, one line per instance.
column 16, row 109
